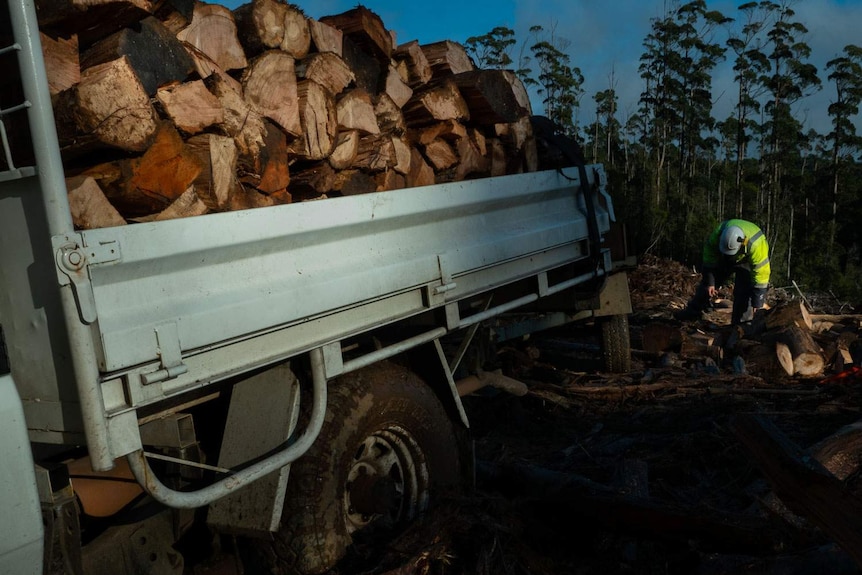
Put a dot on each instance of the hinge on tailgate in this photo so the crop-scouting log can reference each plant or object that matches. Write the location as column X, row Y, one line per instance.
column 72, row 259
column 168, row 339
column 437, row 293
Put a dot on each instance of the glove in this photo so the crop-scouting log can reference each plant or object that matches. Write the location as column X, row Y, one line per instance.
column 758, row 298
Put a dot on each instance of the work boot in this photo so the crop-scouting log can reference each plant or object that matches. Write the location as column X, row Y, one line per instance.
column 688, row 314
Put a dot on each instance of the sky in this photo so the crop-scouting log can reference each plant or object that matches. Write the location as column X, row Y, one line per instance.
column 606, row 38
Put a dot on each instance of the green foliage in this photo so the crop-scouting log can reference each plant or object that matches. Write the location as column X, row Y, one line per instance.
column 492, row 50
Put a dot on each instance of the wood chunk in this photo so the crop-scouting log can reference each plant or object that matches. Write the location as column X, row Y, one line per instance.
column 442, row 102
column 660, row 337
column 185, row 206
column 497, row 157
column 471, row 162
column 273, row 162
column 414, row 60
column 216, row 181
column 403, row 155
column 397, row 89
column 420, row 174
column 213, row 32
column 108, row 108
column 450, row 130
column 190, row 106
column 447, row 58
column 312, row 181
column 807, row 356
column 346, row 146
column 269, row 85
column 91, row 20
column 90, row 208
column 326, row 38
column 153, row 52
column 327, row 69
column 246, row 126
column 267, row 24
column 375, row 153
column 389, row 116
column 62, row 64
column 365, row 29
column 368, row 71
column 319, row 121
column 792, row 313
column 440, row 154
column 390, row 180
column 355, row 111
column 245, row 199
column 491, row 96
column 354, row 182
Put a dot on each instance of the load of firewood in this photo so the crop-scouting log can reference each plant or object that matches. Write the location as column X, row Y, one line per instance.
column 173, row 108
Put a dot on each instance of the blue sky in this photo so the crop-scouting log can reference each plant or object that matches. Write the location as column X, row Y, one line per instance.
column 605, row 36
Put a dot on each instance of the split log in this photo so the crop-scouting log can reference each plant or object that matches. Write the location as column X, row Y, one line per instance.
column 698, row 348
column 442, row 102
column 92, row 20
column 450, row 130
column 375, row 153
column 213, row 32
column 326, row 38
column 440, row 154
column 411, row 56
column 62, row 63
column 108, row 108
column 497, row 157
column 319, row 121
column 245, row 199
column 447, row 58
column 389, row 116
column 354, row 182
column 190, row 106
column 390, row 180
column 420, row 174
column 153, row 52
column 272, row 166
column 807, row 358
column 491, row 96
column 185, row 206
column 313, row 181
column 397, row 89
column 344, row 154
column 403, row 155
column 147, row 185
column 365, row 29
column 269, row 86
column 771, row 360
column 245, row 125
column 841, row 452
column 793, row 313
column 803, row 484
column 471, row 162
column 355, row 111
column 267, row 24
column 327, row 69
column 216, row 181
column 367, row 69
column 90, row 208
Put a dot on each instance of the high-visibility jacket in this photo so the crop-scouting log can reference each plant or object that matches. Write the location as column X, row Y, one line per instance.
column 754, row 252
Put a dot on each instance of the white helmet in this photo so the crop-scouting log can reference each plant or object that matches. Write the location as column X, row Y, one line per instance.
column 731, row 240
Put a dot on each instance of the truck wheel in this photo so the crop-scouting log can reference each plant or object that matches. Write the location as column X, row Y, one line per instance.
column 386, row 450
column 616, row 343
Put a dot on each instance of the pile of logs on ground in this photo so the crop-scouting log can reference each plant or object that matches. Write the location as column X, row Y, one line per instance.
column 173, row 108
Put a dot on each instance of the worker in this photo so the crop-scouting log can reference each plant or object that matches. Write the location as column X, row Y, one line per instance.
column 734, row 247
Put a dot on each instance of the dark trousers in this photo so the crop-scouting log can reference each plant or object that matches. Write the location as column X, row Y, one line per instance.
column 743, row 290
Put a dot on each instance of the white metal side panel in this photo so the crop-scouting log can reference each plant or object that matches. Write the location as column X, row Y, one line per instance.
column 223, row 277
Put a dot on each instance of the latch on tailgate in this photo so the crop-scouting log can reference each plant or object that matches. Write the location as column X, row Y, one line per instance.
column 168, row 338
column 72, row 261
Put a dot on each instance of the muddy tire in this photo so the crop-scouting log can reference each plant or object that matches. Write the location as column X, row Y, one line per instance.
column 387, row 448
column 616, row 343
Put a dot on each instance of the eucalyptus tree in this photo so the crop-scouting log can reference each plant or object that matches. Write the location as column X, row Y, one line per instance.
column 747, row 43
column 492, row 50
column 606, row 129
column 560, row 84
column 789, row 79
column 846, row 77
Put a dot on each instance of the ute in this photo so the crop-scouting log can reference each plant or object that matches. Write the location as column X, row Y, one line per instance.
column 294, row 371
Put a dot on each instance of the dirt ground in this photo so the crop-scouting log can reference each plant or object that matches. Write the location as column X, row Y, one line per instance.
column 628, row 473
column 635, row 473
